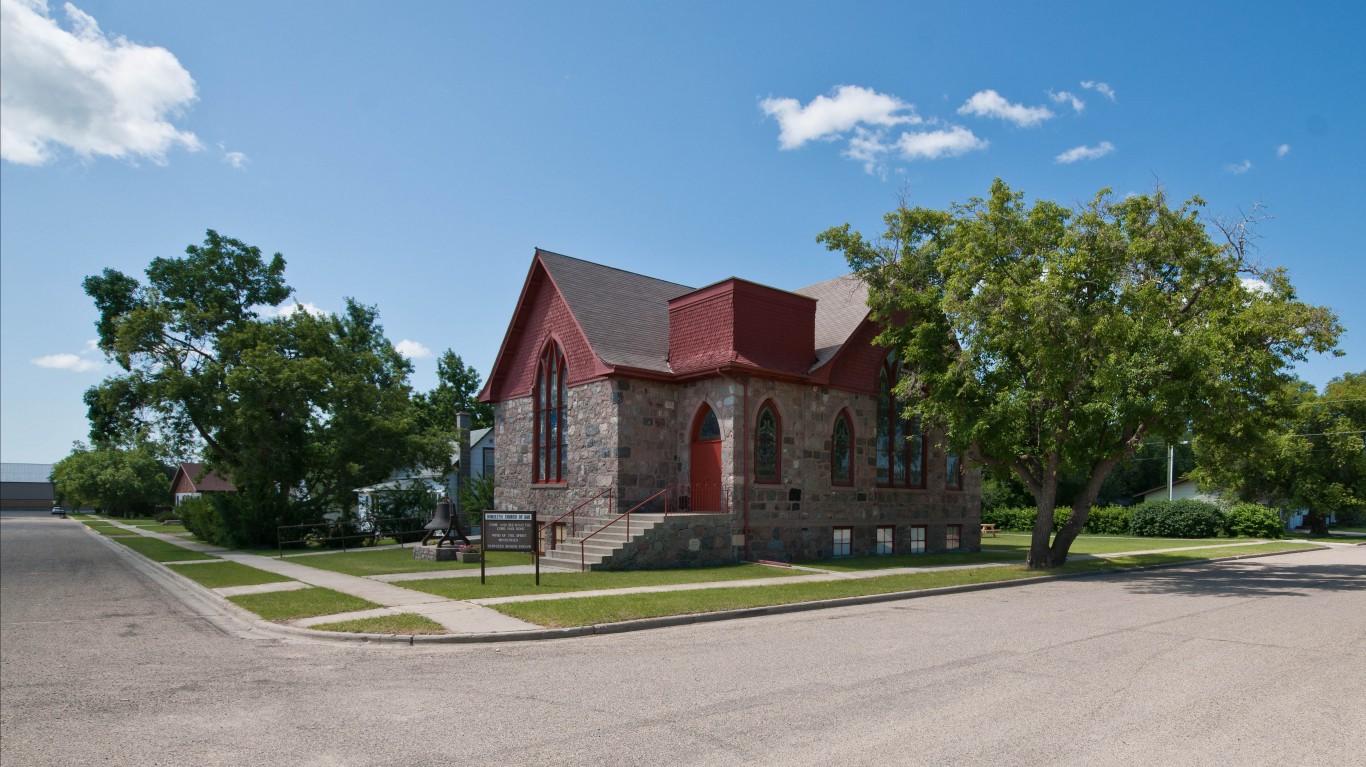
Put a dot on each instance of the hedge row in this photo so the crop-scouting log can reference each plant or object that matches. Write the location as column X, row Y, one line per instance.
column 1186, row 518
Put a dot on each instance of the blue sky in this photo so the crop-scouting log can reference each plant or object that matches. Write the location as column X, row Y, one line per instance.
column 412, row 155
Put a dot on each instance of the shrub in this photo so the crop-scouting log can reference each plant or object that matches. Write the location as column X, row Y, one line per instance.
column 1254, row 521
column 1108, row 520
column 1018, row 519
column 1186, row 518
column 201, row 517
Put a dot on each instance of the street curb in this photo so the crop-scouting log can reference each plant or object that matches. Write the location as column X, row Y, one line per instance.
column 227, row 611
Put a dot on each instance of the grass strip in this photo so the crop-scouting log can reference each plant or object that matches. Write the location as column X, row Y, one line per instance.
column 562, row 582
column 612, row 609
column 160, row 551
column 858, row 564
column 403, row 623
column 389, row 561
column 217, row 575
column 301, row 603
column 165, row 528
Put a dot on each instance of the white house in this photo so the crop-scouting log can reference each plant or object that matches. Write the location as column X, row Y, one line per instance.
column 481, row 463
column 1182, row 488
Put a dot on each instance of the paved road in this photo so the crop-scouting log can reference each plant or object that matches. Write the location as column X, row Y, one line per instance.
column 1257, row 662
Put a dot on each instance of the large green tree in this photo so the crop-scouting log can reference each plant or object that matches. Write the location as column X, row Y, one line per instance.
column 1315, row 460
column 1050, row 341
column 298, row 409
column 457, row 391
column 118, row 481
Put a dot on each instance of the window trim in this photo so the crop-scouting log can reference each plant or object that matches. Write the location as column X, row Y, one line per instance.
column 924, row 540
column 891, row 541
column 848, row 543
column 888, row 376
column 772, row 409
column 549, row 384
column 842, row 417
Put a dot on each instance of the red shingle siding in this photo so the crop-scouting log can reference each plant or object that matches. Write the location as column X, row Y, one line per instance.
column 857, row 366
column 739, row 321
column 775, row 330
column 702, row 329
column 547, row 315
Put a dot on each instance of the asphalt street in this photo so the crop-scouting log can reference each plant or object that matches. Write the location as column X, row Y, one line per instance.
column 1254, row 662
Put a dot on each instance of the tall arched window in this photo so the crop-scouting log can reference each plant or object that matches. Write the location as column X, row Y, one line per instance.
column 768, row 440
column 841, row 451
column 548, row 414
column 900, row 441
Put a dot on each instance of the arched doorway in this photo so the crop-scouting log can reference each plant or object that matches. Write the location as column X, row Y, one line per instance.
column 706, row 461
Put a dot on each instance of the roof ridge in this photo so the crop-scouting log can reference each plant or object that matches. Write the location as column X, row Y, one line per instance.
column 542, row 251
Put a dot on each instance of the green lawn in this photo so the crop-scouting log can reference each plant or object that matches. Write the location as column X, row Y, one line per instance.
column 610, row 609
column 1347, row 529
column 216, row 575
column 301, row 603
column 1106, row 544
column 854, row 564
column 160, row 551
column 558, row 582
column 388, row 561
column 165, row 528
column 403, row 623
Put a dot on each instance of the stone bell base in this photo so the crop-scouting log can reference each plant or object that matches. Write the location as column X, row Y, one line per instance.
column 435, row 554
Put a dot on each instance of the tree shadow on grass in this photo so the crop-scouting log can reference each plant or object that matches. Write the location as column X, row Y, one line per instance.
column 1250, row 579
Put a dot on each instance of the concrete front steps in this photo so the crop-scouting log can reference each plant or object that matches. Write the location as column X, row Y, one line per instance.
column 600, row 548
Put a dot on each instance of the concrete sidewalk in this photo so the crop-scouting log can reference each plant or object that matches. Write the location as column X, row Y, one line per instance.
column 474, row 618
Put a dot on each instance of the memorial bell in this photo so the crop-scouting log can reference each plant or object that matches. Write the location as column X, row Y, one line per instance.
column 446, row 522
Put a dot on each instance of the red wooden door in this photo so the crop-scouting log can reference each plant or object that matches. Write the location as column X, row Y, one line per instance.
column 706, row 462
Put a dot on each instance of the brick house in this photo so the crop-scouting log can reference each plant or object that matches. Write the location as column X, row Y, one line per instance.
column 761, row 420
column 192, row 480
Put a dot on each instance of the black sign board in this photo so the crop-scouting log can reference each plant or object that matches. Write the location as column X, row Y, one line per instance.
column 509, row 531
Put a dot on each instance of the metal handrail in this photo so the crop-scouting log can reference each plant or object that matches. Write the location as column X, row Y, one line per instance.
column 574, row 530
column 627, row 515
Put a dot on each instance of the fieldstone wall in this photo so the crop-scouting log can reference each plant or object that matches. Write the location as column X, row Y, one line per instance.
column 634, row 435
column 681, row 540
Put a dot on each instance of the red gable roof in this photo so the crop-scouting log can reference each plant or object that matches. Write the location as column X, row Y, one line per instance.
column 610, row 320
column 198, row 479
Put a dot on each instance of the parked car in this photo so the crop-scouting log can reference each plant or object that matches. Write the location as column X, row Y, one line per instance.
column 59, row 510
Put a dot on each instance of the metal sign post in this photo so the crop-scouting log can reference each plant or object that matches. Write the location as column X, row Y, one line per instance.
column 510, row 531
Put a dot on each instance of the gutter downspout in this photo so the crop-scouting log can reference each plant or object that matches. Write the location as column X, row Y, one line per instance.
column 744, row 457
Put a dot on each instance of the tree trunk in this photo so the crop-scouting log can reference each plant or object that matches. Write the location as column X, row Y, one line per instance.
column 1318, row 522
column 1040, row 555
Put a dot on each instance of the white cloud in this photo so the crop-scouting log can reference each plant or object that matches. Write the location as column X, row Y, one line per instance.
column 1282, row 151
column 1067, row 97
column 868, row 148
column 989, row 103
column 235, row 159
column 1084, row 152
column 1239, row 168
column 931, row 145
column 828, row 116
column 1101, row 88
column 285, row 310
column 1254, row 285
column 412, row 349
column 84, row 90
column 70, row 362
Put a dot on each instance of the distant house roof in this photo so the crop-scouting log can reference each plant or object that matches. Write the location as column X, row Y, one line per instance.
column 478, row 434
column 203, row 480
column 25, row 472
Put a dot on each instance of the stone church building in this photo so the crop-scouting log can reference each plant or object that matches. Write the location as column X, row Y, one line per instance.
column 761, row 420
